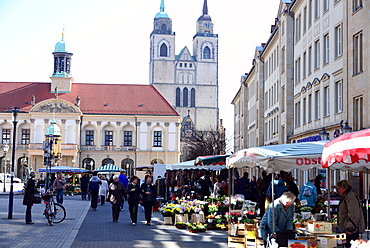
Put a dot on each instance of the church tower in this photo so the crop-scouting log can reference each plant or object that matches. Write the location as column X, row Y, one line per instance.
column 189, row 82
column 62, row 77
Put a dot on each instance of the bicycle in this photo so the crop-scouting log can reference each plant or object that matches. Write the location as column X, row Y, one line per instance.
column 54, row 212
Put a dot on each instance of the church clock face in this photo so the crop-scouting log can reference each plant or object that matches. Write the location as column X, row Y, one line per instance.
column 207, row 25
column 60, row 84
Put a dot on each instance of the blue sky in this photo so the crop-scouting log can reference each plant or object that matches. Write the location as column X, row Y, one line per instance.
column 110, row 39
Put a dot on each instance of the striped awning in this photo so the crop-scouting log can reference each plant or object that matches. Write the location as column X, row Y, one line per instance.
column 109, row 168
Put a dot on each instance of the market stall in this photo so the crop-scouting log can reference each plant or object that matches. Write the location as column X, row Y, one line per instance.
column 284, row 157
column 72, row 186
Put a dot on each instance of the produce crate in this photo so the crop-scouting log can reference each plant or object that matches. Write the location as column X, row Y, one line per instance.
column 237, row 242
column 241, row 230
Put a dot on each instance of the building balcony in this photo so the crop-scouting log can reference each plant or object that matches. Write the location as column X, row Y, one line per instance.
column 88, row 148
column 128, row 148
column 40, row 147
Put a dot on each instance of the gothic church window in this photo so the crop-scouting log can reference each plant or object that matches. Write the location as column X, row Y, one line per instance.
column 178, row 92
column 206, row 53
column 192, row 97
column 185, row 97
column 163, row 50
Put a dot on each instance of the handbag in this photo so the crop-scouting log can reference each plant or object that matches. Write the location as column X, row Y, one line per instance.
column 36, row 198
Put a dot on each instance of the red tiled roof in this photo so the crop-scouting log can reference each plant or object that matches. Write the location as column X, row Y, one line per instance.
column 131, row 99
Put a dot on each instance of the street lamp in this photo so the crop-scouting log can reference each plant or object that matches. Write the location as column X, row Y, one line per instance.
column 323, row 134
column 6, row 149
column 15, row 112
column 346, row 128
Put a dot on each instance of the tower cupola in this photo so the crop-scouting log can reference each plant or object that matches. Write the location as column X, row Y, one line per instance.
column 204, row 22
column 62, row 77
column 162, row 23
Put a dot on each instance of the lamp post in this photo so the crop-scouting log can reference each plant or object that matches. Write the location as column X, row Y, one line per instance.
column 6, row 149
column 15, row 112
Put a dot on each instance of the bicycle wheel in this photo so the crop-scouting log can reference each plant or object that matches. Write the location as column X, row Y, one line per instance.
column 49, row 214
column 59, row 213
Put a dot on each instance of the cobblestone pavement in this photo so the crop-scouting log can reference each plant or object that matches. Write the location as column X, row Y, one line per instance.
column 15, row 233
column 98, row 230
column 86, row 228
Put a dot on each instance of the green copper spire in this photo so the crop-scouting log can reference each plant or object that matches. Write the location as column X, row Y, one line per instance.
column 162, row 6
column 161, row 13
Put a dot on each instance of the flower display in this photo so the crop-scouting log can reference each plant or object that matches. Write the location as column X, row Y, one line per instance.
column 210, row 216
column 213, row 207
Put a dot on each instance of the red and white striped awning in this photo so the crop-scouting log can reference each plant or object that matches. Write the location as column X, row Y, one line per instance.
column 350, row 151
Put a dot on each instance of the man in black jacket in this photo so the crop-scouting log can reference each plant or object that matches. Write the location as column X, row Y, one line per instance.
column 84, row 185
column 94, row 185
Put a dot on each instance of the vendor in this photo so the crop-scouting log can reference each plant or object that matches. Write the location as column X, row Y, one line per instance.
column 283, row 216
column 350, row 217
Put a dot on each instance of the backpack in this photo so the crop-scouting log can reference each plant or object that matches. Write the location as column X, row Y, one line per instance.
column 307, row 191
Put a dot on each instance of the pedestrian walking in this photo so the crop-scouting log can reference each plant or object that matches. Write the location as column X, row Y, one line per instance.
column 84, row 186
column 350, row 217
column 309, row 193
column 28, row 196
column 58, row 185
column 94, row 185
column 133, row 198
column 217, row 188
column 149, row 197
column 116, row 193
column 103, row 190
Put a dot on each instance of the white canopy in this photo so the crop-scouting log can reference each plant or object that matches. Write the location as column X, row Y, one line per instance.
column 188, row 165
column 285, row 157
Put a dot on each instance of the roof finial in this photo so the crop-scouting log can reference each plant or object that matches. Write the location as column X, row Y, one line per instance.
column 162, row 6
column 63, row 33
column 205, row 8
column 188, row 112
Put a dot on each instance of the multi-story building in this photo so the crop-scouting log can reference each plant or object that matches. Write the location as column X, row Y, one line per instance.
column 126, row 125
column 314, row 78
column 189, row 81
column 319, row 68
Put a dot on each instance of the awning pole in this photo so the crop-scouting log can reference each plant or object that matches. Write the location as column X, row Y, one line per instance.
column 328, row 181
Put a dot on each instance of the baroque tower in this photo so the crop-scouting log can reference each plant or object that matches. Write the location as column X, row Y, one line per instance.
column 188, row 81
column 62, row 77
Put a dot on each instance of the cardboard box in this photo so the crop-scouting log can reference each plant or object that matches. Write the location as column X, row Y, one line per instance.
column 181, row 218
column 333, row 236
column 167, row 221
column 325, row 242
column 197, row 218
column 302, row 244
column 319, row 227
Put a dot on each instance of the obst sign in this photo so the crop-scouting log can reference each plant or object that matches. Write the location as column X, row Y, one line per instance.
column 308, row 161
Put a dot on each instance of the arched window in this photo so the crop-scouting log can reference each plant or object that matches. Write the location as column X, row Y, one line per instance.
column 192, row 97
column 88, row 164
column 163, row 27
column 163, row 50
column 107, row 161
column 178, row 92
column 206, row 53
column 185, row 97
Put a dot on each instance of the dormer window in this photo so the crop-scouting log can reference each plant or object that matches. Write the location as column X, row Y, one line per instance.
column 180, row 64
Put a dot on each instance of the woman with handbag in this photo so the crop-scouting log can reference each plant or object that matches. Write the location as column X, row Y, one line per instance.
column 28, row 197
column 133, row 198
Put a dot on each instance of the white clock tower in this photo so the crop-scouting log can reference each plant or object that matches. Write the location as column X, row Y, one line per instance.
column 62, row 77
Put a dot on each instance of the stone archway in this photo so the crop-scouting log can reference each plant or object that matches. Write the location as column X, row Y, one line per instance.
column 156, row 161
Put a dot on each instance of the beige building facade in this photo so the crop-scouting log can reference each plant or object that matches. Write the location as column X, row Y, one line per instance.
column 121, row 124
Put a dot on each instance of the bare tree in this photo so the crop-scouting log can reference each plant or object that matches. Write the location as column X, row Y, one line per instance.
column 204, row 143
